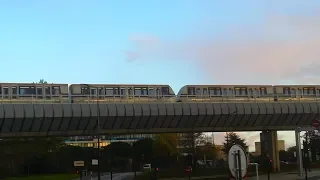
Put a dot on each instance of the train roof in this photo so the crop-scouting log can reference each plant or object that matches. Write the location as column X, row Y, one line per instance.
column 303, row 85
column 121, row 84
column 31, row 84
column 228, row 85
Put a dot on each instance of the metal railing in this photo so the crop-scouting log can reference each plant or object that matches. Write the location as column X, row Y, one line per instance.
column 77, row 99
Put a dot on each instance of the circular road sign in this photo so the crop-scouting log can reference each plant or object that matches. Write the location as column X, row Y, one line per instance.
column 316, row 123
column 231, row 160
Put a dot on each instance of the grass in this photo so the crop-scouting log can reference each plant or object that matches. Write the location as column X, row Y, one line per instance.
column 46, row 177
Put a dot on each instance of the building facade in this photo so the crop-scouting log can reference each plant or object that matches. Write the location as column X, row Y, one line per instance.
column 92, row 141
column 281, row 147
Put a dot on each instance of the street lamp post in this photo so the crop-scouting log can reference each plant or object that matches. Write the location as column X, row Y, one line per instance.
column 98, row 129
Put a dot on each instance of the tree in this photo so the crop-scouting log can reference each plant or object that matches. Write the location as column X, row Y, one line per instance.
column 207, row 151
column 42, row 81
column 118, row 155
column 143, row 150
column 232, row 139
column 189, row 143
column 119, row 149
column 292, row 149
column 284, row 155
column 166, row 144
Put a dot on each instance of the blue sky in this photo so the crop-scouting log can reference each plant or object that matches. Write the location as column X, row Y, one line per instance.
column 84, row 41
column 79, row 41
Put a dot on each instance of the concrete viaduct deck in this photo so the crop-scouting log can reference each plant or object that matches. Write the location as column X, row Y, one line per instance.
column 26, row 120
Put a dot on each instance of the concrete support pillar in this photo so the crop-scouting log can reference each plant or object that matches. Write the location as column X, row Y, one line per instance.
column 299, row 152
column 269, row 147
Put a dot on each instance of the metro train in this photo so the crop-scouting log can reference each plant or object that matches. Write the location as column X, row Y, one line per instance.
column 81, row 93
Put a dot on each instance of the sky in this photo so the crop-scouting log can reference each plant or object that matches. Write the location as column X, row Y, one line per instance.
column 161, row 42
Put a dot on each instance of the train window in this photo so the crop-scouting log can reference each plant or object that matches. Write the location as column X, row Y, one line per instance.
column 116, row 91
column 230, row 92
column 56, row 90
column 240, row 91
column 198, row 91
column 26, row 90
column 211, row 91
column 137, row 91
column 263, row 91
column 205, row 91
column 144, row 91
column 130, row 92
column 191, row 91
column 47, row 90
column 39, row 90
column 293, row 91
column 309, row 91
column 158, row 92
column 93, row 91
column 305, row 91
column 122, row 91
column 165, row 90
column 5, row 90
column 151, row 91
column 14, row 90
column 225, row 92
column 299, row 92
column 84, row 90
column 237, row 91
column 109, row 91
column 215, row 91
column 286, row 91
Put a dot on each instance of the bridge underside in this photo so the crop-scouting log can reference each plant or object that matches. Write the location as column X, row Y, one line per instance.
column 81, row 119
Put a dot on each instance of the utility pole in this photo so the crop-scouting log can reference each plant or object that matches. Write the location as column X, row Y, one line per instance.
column 98, row 129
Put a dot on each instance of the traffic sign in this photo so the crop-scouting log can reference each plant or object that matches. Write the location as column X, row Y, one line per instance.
column 95, row 162
column 316, row 123
column 188, row 169
column 233, row 161
column 78, row 163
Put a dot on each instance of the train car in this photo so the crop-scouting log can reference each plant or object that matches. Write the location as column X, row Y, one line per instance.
column 297, row 92
column 225, row 93
column 33, row 92
column 81, row 93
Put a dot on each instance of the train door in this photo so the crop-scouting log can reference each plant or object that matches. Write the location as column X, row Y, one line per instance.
column 47, row 91
column 293, row 93
column 123, row 92
column 14, row 92
column 39, row 92
column 130, row 90
column 100, row 93
column 158, row 92
column 286, row 91
column 205, row 92
column 93, row 93
column 198, row 92
column 151, row 92
column 250, row 93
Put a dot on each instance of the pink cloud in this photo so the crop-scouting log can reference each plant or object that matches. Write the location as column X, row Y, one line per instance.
column 280, row 48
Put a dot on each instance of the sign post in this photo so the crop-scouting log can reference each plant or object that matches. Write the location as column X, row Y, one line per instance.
column 188, row 171
column 238, row 162
column 80, row 164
